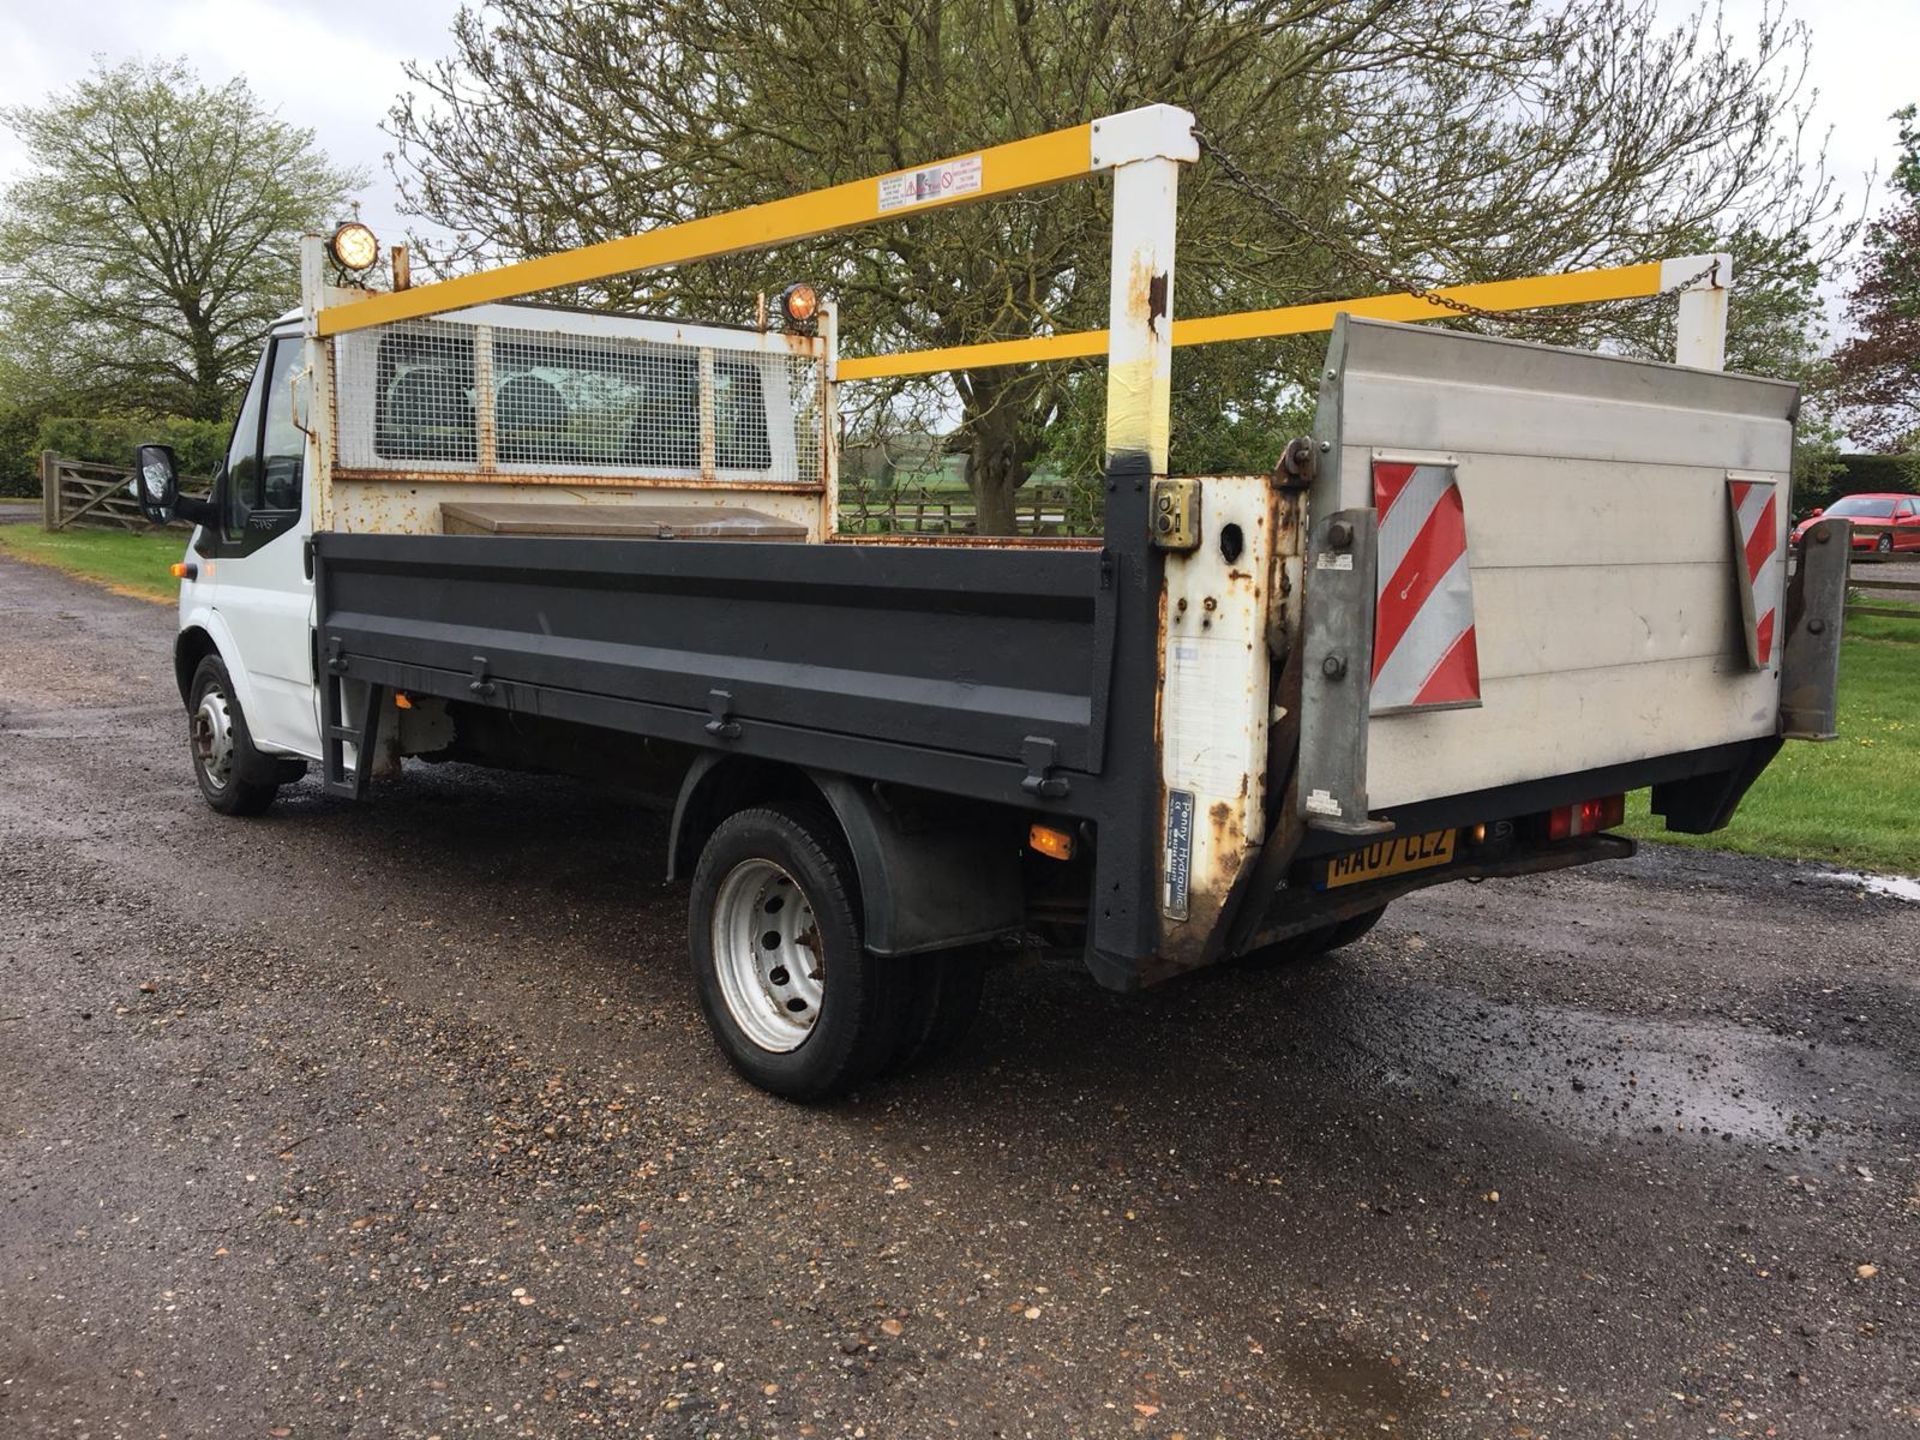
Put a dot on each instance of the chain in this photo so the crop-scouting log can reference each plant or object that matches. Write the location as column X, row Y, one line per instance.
column 1287, row 215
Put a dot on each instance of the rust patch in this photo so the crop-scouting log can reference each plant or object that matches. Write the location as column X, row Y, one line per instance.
column 1160, row 633
column 1187, row 945
column 1147, row 293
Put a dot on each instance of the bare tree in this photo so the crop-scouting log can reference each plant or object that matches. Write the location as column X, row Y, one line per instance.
column 1452, row 140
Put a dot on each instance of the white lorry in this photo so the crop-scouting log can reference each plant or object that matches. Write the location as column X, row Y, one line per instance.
column 1498, row 587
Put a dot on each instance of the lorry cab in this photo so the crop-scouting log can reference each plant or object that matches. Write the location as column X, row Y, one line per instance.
column 570, row 396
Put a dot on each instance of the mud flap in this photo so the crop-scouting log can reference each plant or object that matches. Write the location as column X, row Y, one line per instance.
column 1336, row 652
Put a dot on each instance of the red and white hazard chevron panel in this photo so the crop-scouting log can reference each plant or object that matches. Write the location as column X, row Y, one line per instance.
column 1424, row 653
column 1756, row 542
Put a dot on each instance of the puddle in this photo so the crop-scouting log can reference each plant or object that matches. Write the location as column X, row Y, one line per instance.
column 1599, row 1074
column 1352, row 1377
column 1894, row 887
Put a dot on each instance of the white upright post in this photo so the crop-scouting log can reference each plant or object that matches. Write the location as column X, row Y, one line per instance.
column 1145, row 149
column 1700, row 329
column 829, row 362
column 318, row 385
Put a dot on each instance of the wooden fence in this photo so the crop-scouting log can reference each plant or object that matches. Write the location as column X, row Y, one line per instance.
column 80, row 493
column 1856, row 581
column 929, row 510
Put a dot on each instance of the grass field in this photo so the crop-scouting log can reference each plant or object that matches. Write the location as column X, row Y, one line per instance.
column 119, row 559
column 1854, row 801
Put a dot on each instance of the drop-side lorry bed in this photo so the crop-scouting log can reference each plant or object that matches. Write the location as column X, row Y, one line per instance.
column 1499, row 586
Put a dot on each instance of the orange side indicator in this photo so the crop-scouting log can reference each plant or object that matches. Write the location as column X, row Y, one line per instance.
column 181, row 570
column 402, row 701
column 1055, row 844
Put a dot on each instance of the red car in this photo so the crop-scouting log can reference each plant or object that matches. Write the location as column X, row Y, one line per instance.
column 1881, row 523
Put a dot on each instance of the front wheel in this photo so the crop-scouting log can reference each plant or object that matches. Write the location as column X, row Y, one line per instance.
column 225, row 764
column 1884, row 545
column 798, row 1005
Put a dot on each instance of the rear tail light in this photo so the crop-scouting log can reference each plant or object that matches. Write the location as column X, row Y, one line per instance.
column 1589, row 817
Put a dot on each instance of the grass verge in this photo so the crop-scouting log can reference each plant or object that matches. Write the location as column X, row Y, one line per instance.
column 124, row 562
column 1854, row 801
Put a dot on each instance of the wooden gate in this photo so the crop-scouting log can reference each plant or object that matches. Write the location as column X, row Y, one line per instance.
column 84, row 493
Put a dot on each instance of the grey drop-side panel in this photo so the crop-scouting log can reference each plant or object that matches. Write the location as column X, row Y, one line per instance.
column 968, row 652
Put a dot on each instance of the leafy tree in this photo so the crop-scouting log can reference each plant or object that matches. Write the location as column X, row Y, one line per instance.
column 1446, row 140
column 19, row 465
column 154, row 242
column 1877, row 369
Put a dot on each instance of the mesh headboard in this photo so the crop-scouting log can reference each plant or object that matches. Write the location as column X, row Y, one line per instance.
column 513, row 390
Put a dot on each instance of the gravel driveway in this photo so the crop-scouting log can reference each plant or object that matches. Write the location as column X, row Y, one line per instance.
column 398, row 1120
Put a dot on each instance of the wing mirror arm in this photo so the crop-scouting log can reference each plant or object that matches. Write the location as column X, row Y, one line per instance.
column 196, row 511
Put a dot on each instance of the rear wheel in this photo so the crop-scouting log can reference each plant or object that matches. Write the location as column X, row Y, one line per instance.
column 1345, row 932
column 947, row 990
column 798, row 1005
column 225, row 764
column 1312, row 944
column 1884, row 545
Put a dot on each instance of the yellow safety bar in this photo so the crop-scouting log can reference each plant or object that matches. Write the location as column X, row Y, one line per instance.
column 1021, row 165
column 1581, row 287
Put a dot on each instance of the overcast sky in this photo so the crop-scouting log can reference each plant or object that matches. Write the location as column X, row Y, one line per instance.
column 337, row 67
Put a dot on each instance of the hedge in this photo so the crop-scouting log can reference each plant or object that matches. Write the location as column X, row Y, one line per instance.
column 110, row 440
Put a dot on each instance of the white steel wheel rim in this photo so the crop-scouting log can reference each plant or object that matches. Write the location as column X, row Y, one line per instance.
column 769, row 956
column 211, row 731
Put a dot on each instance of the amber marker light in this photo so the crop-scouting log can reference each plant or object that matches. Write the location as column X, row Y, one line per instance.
column 181, row 570
column 800, row 304
column 1054, row 844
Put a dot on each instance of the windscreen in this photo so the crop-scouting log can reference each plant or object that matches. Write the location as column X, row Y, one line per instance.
column 1862, row 509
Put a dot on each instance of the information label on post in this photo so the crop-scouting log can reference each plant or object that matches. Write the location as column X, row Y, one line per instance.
column 1179, row 857
column 936, row 182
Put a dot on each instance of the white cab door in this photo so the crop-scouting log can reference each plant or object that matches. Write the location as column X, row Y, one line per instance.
column 261, row 589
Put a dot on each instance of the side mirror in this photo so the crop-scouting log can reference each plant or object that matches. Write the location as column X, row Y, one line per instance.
column 1816, row 512
column 156, row 482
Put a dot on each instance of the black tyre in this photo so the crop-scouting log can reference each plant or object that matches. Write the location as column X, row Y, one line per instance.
column 229, row 771
column 790, row 992
column 1884, row 545
column 1282, row 954
column 1312, row 944
column 1345, row 932
column 945, row 1001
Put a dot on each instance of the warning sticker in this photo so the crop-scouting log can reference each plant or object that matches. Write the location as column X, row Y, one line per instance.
column 936, row 182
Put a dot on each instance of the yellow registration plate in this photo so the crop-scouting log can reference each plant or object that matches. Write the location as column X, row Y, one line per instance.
column 1390, row 857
